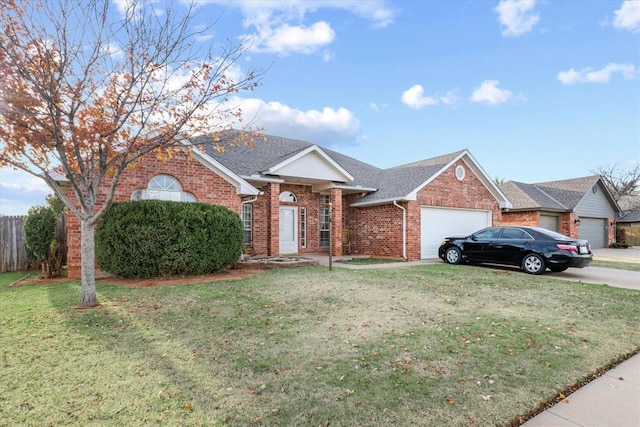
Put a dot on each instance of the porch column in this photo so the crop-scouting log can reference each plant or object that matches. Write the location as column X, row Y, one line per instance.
column 273, row 210
column 336, row 221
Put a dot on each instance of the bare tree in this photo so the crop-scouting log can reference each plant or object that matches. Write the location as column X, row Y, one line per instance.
column 620, row 182
column 90, row 86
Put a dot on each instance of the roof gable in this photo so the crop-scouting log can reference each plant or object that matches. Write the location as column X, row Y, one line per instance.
column 405, row 181
column 311, row 163
column 562, row 195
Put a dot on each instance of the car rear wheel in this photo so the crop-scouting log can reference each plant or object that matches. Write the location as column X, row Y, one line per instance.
column 533, row 264
column 453, row 256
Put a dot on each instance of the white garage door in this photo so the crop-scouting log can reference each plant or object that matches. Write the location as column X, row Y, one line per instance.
column 438, row 223
column 594, row 230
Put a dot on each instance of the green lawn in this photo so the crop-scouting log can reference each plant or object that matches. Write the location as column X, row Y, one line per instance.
column 425, row 345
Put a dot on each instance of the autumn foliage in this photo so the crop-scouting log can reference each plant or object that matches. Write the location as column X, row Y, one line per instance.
column 87, row 88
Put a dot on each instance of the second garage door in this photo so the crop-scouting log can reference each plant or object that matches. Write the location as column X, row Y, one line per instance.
column 438, row 223
column 594, row 230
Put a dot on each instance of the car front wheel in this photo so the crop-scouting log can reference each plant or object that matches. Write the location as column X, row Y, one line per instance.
column 533, row 264
column 453, row 256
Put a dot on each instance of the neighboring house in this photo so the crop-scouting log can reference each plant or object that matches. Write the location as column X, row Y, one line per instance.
column 580, row 207
column 295, row 197
column 629, row 220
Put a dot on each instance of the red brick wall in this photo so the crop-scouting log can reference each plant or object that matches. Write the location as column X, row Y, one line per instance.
column 447, row 191
column 377, row 230
column 529, row 218
column 206, row 186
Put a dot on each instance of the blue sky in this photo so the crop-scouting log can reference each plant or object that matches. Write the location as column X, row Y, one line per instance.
column 536, row 90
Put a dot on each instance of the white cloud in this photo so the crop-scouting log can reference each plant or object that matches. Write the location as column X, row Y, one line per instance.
column 414, row 97
column 489, row 93
column 517, row 16
column 588, row 75
column 628, row 16
column 280, row 24
column 295, row 39
column 19, row 191
column 329, row 126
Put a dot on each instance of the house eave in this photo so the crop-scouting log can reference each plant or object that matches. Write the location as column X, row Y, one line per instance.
column 382, row 202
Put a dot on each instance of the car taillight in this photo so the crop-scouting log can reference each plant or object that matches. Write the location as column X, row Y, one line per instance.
column 573, row 248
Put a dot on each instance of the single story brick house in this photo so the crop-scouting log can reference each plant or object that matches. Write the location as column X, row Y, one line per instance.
column 579, row 207
column 295, row 197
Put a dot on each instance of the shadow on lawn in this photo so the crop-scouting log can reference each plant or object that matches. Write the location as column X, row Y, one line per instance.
column 132, row 333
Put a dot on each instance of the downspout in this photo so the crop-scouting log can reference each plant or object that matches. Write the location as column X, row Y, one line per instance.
column 404, row 229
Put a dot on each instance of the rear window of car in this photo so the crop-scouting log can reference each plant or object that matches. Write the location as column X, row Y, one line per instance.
column 515, row 233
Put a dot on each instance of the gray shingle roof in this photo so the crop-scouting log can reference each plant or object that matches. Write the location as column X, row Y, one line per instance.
column 267, row 151
column 630, row 206
column 552, row 195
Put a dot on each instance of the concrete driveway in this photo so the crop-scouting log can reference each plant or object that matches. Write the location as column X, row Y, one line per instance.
column 597, row 275
column 606, row 276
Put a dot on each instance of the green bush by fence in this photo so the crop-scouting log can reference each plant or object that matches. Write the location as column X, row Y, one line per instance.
column 152, row 238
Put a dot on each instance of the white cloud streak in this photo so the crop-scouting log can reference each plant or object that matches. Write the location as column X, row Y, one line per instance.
column 604, row 75
column 517, row 17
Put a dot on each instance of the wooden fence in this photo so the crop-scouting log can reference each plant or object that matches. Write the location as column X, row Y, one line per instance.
column 629, row 235
column 13, row 252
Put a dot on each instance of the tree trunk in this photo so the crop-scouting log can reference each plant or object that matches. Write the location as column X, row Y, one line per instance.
column 88, row 266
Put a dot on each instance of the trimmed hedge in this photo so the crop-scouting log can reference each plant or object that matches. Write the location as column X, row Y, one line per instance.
column 152, row 238
column 40, row 232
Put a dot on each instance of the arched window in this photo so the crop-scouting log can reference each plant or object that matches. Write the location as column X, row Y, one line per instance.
column 163, row 187
column 288, row 196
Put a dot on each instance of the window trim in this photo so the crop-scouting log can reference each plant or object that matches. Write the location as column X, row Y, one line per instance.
column 247, row 224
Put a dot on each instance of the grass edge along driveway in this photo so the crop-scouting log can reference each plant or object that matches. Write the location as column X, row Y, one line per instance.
column 426, row 345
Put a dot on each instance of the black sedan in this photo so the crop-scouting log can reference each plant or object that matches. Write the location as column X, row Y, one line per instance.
column 531, row 248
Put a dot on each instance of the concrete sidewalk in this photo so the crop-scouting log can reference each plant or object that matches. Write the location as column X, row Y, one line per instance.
column 612, row 400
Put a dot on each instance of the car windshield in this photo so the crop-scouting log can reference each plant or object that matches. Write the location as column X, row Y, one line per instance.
column 489, row 233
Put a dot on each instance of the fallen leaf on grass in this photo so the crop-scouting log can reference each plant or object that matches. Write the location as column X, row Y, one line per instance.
column 188, row 405
column 487, row 397
column 451, row 400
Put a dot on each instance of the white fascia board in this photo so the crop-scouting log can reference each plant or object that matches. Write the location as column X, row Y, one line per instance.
column 242, row 186
column 356, row 188
column 314, row 148
column 258, row 178
column 382, row 202
column 57, row 176
column 471, row 162
column 493, row 188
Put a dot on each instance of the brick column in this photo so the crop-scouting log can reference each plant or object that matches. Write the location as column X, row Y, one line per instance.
column 336, row 221
column 273, row 210
column 74, row 258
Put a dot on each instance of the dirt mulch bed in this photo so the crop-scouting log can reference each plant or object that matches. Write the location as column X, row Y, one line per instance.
column 234, row 274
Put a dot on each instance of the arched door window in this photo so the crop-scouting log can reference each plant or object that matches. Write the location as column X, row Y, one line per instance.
column 288, row 196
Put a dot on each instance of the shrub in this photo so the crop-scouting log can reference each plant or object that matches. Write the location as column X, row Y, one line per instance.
column 152, row 238
column 40, row 236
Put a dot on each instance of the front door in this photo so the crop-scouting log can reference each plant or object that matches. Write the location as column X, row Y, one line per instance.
column 288, row 230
